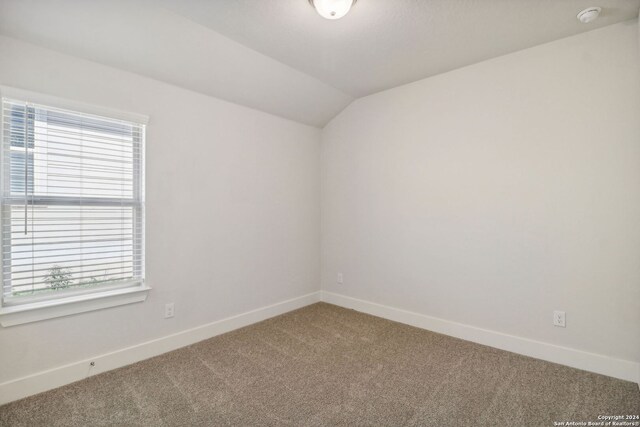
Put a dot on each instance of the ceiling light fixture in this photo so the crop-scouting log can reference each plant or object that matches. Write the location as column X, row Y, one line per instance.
column 589, row 14
column 332, row 9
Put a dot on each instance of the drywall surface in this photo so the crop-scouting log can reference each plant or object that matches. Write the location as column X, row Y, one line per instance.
column 232, row 210
column 497, row 193
column 142, row 37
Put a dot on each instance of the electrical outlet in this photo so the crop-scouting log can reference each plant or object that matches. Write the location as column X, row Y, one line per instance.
column 168, row 310
column 340, row 279
column 559, row 319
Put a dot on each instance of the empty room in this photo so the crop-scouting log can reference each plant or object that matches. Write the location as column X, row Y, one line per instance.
column 320, row 213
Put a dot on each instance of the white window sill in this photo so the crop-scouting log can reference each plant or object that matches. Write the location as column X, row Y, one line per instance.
column 42, row 310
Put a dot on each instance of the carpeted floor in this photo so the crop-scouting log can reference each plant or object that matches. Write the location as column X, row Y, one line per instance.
column 327, row 366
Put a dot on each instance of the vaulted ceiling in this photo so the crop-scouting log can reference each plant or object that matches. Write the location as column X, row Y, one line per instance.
column 279, row 56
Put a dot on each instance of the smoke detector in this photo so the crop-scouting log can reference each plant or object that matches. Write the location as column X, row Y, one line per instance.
column 589, row 14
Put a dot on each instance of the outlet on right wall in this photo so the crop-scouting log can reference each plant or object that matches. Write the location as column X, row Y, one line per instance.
column 497, row 193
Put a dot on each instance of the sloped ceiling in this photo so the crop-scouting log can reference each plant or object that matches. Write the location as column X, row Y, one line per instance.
column 381, row 44
column 279, row 56
column 141, row 37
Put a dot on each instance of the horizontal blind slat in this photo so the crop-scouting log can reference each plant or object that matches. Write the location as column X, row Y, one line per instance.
column 32, row 276
column 71, row 256
column 83, row 208
column 80, row 250
column 39, row 287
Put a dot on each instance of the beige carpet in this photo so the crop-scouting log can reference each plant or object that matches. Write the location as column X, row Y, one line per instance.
column 328, row 366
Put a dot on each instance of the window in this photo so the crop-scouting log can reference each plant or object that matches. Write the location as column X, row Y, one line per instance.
column 72, row 217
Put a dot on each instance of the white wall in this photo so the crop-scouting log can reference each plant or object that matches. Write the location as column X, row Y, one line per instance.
column 497, row 193
column 490, row 196
column 232, row 210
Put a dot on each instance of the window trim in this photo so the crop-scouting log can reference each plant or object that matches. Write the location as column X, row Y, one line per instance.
column 48, row 309
column 76, row 302
column 67, row 104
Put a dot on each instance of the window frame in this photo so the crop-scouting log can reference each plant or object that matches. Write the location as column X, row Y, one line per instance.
column 72, row 301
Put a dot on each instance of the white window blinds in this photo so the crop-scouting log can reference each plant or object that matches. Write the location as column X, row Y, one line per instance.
column 72, row 202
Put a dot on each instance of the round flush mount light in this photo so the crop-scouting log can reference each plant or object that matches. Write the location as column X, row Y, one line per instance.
column 589, row 14
column 332, row 9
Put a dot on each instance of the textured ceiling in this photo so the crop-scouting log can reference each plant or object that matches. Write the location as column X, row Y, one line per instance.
column 279, row 56
column 141, row 37
column 385, row 43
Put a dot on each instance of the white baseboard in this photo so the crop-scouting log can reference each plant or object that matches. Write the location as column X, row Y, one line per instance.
column 56, row 377
column 600, row 364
